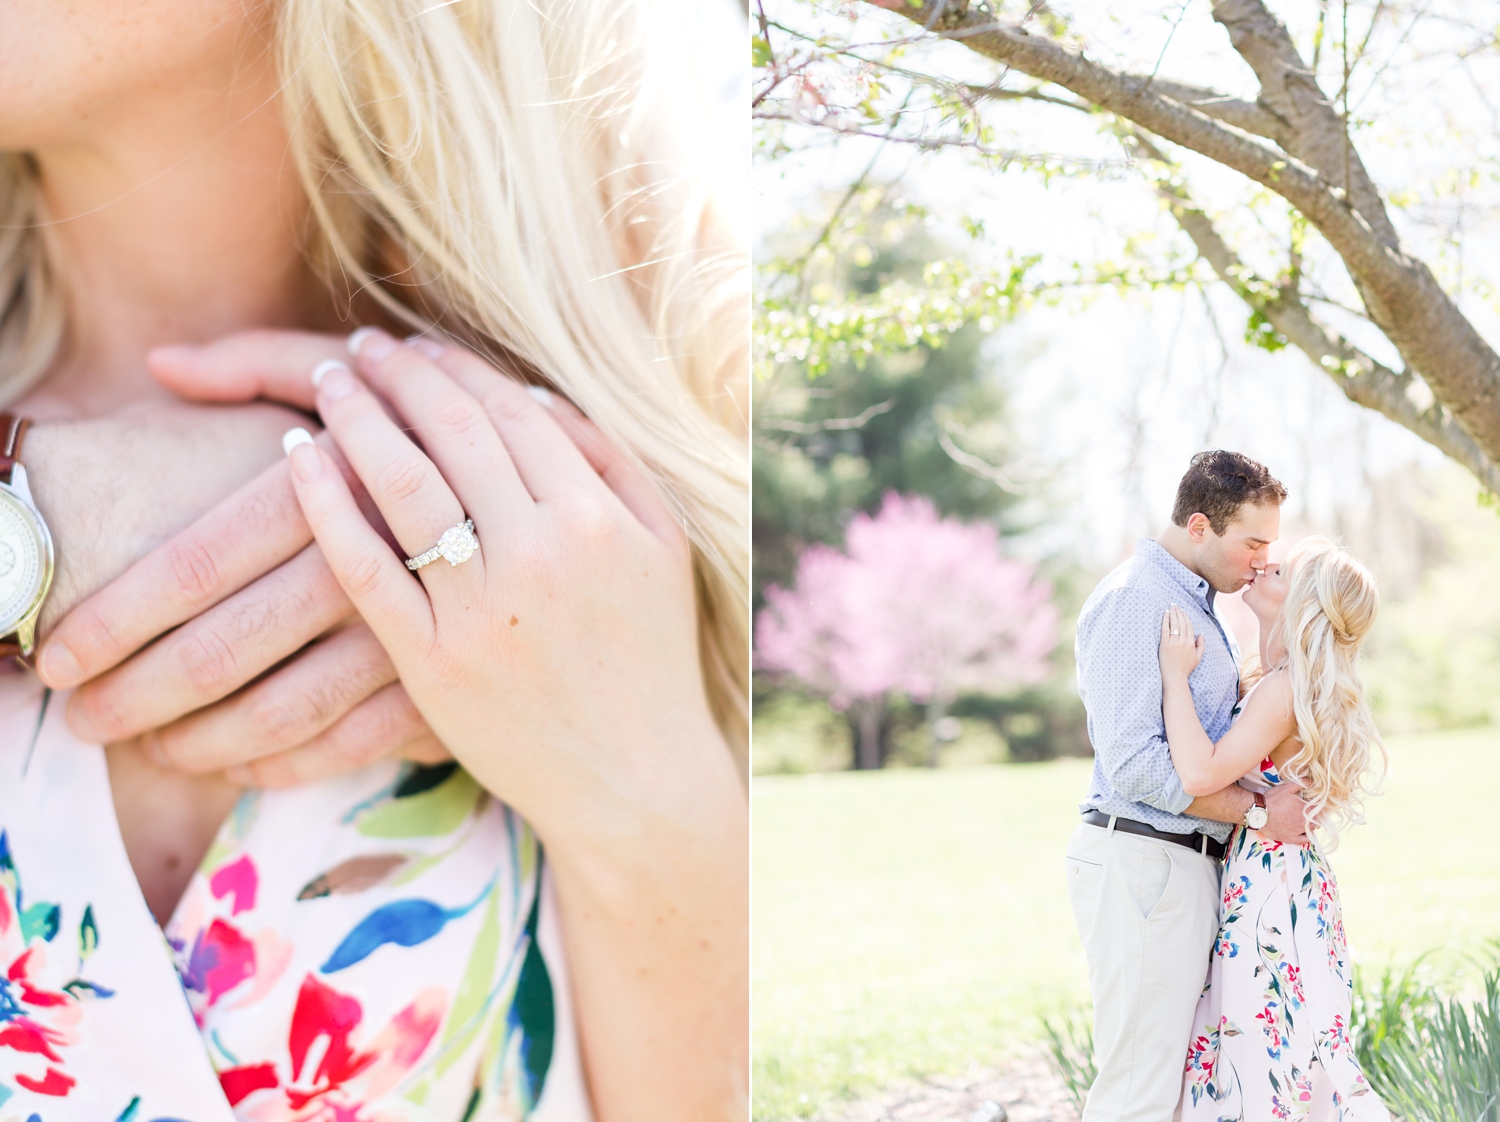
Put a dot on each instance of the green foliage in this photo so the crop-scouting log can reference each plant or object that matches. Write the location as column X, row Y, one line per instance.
column 1399, row 1004
column 856, row 290
column 1433, row 660
column 853, row 326
column 1070, row 1047
column 1446, row 1067
column 831, row 441
column 1260, row 333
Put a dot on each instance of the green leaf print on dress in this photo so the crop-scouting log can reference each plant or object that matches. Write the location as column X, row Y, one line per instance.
column 1269, row 1039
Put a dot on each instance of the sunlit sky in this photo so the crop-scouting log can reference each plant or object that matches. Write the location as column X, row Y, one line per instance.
column 1118, row 393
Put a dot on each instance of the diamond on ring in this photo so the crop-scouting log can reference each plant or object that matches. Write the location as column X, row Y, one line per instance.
column 456, row 546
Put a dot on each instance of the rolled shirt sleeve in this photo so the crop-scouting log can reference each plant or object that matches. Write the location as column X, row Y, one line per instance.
column 1119, row 678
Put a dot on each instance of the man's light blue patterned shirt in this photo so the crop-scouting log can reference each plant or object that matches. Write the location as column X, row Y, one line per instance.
column 1119, row 679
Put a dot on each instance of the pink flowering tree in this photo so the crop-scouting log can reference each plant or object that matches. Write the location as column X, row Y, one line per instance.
column 917, row 604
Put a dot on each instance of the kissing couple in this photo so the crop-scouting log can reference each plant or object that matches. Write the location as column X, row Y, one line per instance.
column 1218, row 787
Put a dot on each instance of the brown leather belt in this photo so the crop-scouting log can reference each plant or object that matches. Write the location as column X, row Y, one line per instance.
column 1200, row 843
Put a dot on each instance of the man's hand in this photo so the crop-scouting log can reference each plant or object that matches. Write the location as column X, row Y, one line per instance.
column 1286, row 822
column 1283, row 805
column 228, row 646
column 112, row 488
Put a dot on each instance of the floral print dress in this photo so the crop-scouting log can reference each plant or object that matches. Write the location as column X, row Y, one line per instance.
column 1270, row 1036
column 378, row 947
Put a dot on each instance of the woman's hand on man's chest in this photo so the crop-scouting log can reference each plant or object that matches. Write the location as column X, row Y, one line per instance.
column 196, row 613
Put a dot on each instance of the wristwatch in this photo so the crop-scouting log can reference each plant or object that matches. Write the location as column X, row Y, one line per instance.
column 26, row 557
column 1257, row 815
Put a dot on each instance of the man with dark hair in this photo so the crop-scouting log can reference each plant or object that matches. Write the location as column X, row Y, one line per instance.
column 1143, row 866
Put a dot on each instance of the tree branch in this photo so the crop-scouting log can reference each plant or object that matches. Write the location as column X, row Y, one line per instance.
column 1251, row 116
column 1245, row 115
column 1317, row 134
column 1403, row 297
column 808, row 428
column 1360, row 377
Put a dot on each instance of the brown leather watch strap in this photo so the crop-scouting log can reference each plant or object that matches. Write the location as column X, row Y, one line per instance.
column 12, row 431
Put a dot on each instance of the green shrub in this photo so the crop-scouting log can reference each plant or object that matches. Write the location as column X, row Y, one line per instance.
column 1398, row 1007
column 1440, row 1063
column 1070, row 1047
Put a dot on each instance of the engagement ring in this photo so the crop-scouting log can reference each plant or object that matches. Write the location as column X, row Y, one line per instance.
column 456, row 546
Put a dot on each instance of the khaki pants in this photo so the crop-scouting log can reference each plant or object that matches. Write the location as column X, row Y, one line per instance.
column 1148, row 913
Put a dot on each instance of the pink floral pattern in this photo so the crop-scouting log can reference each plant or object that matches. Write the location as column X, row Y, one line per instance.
column 368, row 949
column 1280, row 968
column 40, row 1015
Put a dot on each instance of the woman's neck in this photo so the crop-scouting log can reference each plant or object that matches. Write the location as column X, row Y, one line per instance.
column 1272, row 649
column 185, row 223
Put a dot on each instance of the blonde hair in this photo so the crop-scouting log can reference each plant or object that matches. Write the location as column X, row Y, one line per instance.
column 508, row 174
column 1330, row 607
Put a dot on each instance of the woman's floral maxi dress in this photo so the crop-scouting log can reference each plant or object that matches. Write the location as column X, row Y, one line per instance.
column 1270, row 1036
column 381, row 946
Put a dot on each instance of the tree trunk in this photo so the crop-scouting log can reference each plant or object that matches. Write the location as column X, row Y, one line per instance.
column 937, row 709
column 866, row 715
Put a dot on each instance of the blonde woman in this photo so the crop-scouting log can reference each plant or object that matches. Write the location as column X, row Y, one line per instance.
column 1270, row 1037
column 551, row 926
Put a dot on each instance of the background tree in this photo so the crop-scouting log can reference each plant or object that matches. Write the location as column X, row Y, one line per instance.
column 875, row 400
column 1326, row 262
column 920, row 604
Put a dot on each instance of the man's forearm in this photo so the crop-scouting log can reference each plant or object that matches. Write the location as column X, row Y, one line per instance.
column 1228, row 805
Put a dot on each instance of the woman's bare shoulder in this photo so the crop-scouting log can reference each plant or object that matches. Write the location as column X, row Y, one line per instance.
column 1271, row 695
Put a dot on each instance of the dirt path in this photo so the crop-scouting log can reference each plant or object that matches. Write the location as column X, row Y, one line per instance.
column 1026, row 1090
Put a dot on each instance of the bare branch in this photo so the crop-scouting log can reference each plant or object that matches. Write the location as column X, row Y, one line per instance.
column 836, row 424
column 1001, row 477
column 1289, row 89
column 1251, row 116
column 932, row 143
column 1360, row 377
column 1245, row 115
column 1403, row 297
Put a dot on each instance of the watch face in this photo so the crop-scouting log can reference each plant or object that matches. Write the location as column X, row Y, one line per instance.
column 23, row 561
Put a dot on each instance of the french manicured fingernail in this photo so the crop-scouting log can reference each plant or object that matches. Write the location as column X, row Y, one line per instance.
column 59, row 666
column 325, row 366
column 337, row 384
column 306, row 462
column 427, row 348
column 371, row 344
column 357, row 338
column 542, row 394
column 293, row 437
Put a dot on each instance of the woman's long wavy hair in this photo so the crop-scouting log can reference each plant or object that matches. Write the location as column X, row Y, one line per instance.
column 511, row 175
column 1330, row 607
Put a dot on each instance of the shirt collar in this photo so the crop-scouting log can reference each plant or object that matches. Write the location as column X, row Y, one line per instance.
column 1149, row 550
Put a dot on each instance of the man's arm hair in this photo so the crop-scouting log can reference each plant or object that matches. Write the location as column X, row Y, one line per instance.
column 1227, row 805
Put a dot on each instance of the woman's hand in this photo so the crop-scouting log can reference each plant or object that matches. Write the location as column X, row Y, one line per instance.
column 1180, row 650
column 230, row 645
column 559, row 664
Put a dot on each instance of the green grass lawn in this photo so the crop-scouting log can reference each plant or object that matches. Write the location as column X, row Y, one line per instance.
column 914, row 922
